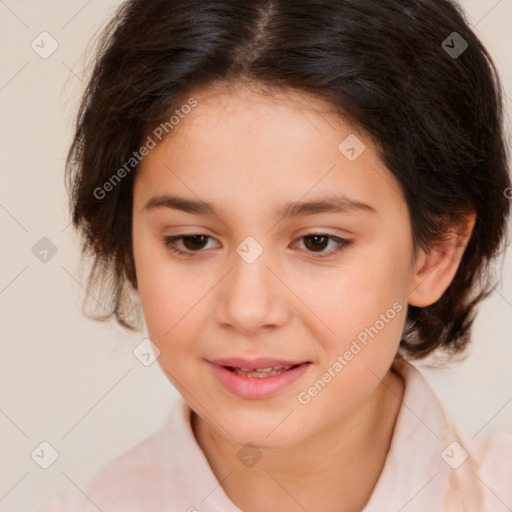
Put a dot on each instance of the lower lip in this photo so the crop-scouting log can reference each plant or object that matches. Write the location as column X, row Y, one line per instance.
column 257, row 387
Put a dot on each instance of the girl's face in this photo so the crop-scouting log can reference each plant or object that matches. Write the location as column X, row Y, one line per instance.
column 258, row 276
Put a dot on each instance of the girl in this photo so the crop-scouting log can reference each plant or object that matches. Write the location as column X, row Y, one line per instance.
column 304, row 196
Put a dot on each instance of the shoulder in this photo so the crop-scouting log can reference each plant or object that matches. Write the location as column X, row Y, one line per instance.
column 133, row 481
column 480, row 484
column 479, row 476
column 427, row 453
column 495, row 471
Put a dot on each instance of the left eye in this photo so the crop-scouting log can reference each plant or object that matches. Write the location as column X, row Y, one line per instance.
column 321, row 240
column 195, row 243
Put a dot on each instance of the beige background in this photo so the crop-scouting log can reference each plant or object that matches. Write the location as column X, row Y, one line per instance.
column 75, row 383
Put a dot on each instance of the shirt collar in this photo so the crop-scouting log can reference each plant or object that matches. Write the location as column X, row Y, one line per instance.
column 414, row 477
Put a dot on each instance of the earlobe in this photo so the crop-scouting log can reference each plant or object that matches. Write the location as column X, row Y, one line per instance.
column 434, row 270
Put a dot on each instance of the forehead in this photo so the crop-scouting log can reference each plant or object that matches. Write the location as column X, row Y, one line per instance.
column 241, row 143
column 259, row 114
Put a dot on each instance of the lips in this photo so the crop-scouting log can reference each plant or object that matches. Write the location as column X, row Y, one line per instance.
column 256, row 364
column 258, row 378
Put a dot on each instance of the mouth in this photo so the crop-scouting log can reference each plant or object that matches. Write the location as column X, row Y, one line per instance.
column 258, row 379
column 261, row 373
column 258, row 367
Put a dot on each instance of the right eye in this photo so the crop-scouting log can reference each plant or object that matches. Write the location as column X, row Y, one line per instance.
column 193, row 243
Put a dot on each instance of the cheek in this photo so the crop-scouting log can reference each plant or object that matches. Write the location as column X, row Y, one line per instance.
column 166, row 302
column 357, row 295
column 171, row 299
column 367, row 314
column 363, row 306
column 162, row 293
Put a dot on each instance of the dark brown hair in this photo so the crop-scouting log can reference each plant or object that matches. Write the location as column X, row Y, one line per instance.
column 411, row 74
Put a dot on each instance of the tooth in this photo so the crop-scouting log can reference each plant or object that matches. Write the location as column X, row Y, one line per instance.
column 263, row 370
column 261, row 374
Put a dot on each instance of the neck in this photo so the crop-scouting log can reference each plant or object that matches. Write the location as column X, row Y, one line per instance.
column 343, row 461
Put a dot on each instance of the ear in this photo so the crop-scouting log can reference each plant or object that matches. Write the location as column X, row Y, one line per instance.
column 435, row 269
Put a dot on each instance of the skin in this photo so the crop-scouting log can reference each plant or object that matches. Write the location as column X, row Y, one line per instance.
column 250, row 153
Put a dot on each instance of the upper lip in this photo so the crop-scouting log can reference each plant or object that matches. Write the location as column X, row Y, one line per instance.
column 236, row 362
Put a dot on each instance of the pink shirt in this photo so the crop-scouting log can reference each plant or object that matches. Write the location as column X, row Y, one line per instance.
column 425, row 469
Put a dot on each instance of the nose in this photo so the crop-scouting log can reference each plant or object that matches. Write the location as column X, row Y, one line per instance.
column 252, row 297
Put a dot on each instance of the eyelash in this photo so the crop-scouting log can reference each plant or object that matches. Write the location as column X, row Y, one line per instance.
column 170, row 244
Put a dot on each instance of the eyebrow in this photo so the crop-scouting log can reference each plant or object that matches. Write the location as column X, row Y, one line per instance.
column 334, row 204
